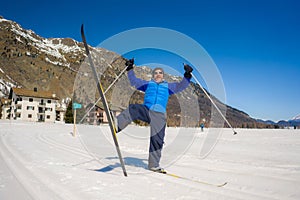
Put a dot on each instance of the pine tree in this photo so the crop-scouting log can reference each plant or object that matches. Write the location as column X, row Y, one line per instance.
column 69, row 118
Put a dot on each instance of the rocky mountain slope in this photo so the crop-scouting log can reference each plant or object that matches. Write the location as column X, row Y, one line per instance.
column 55, row 64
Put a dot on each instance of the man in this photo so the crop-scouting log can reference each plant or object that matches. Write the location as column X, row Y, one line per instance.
column 153, row 111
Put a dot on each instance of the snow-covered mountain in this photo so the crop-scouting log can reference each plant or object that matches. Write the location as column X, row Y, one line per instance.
column 295, row 121
column 57, row 51
column 296, row 118
column 29, row 60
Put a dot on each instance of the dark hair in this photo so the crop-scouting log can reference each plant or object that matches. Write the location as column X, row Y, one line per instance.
column 157, row 68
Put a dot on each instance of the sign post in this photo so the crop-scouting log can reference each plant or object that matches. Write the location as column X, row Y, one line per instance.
column 75, row 107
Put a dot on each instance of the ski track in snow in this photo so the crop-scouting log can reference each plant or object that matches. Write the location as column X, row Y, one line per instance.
column 44, row 161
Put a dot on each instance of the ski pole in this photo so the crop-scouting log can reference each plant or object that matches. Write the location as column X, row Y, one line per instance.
column 234, row 132
column 116, row 79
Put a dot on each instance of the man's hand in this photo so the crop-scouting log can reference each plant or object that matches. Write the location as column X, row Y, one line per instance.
column 188, row 71
column 129, row 63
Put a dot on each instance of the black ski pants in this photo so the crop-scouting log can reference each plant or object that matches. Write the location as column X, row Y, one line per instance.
column 157, row 121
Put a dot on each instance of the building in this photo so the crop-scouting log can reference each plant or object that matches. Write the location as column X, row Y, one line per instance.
column 5, row 108
column 32, row 105
column 60, row 114
column 97, row 115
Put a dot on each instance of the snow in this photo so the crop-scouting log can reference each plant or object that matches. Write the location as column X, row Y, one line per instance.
column 42, row 46
column 56, row 62
column 65, row 48
column 45, row 161
column 19, row 40
column 3, row 20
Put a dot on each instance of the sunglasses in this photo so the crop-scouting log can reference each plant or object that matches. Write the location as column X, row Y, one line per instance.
column 158, row 72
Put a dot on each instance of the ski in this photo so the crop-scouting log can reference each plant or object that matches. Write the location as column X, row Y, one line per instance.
column 196, row 181
column 104, row 101
column 192, row 180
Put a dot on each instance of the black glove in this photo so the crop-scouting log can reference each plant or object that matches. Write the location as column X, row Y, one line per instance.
column 188, row 71
column 129, row 63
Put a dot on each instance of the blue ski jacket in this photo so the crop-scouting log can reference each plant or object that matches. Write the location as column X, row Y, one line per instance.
column 157, row 94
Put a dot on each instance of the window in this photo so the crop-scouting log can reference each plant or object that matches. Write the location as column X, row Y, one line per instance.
column 29, row 116
column 48, row 116
column 49, row 101
column 30, row 108
column 30, row 99
column 48, row 109
column 41, row 110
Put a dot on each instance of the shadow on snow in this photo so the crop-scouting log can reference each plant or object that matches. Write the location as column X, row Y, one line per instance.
column 129, row 161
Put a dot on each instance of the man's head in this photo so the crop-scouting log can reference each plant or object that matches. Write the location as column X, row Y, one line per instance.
column 158, row 74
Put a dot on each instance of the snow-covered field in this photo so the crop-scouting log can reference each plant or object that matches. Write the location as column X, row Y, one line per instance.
column 44, row 161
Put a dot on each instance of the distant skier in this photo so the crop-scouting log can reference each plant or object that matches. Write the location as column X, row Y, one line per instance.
column 202, row 127
column 153, row 111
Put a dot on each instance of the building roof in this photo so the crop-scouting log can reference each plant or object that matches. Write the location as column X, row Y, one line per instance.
column 34, row 93
column 60, row 109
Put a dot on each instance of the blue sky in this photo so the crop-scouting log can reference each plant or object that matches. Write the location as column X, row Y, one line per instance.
column 254, row 43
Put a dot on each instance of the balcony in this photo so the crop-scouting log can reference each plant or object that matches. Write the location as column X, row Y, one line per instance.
column 42, row 105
